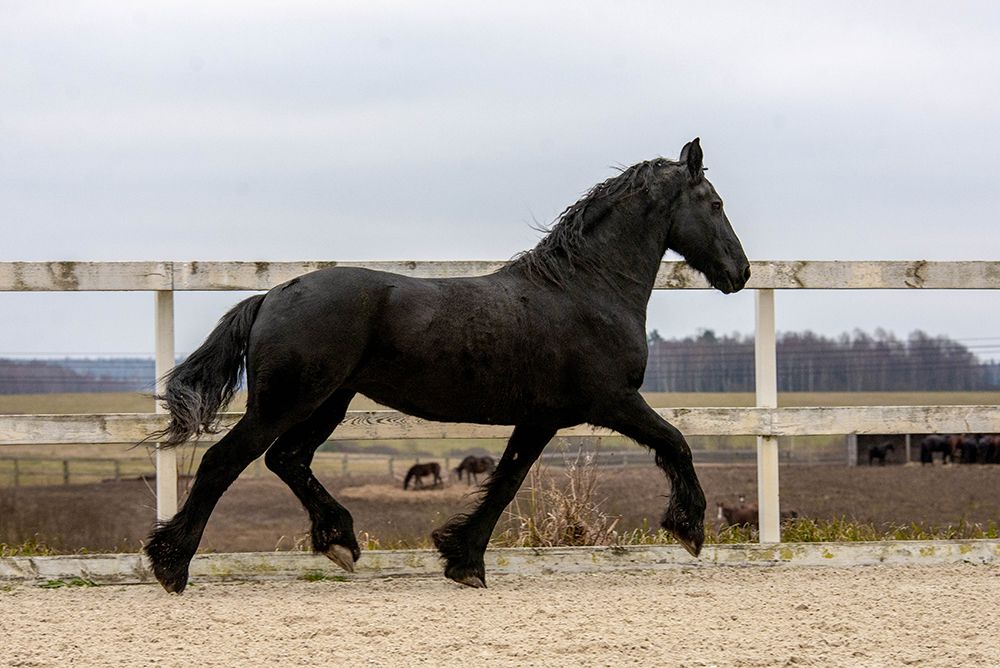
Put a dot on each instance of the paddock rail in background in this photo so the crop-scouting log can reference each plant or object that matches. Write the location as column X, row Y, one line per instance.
column 765, row 421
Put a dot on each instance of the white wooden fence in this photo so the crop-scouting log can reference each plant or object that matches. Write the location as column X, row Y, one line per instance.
column 765, row 421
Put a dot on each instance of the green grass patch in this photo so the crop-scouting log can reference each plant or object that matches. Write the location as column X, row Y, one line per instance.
column 838, row 530
column 72, row 582
column 29, row 548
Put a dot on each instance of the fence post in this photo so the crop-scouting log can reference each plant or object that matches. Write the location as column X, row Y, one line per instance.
column 907, row 443
column 166, row 459
column 766, row 385
column 17, row 473
column 852, row 449
column 65, row 464
column 118, row 470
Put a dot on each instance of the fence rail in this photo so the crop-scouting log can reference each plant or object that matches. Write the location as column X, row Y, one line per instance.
column 766, row 274
column 381, row 425
column 766, row 421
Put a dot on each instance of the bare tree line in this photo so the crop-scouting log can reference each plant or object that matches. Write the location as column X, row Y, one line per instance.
column 808, row 362
column 705, row 362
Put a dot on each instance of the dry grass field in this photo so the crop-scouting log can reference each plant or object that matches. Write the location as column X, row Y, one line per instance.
column 261, row 514
column 134, row 402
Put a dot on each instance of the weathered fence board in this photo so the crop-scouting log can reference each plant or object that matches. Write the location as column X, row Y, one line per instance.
column 777, row 274
column 374, row 425
column 890, row 275
column 265, row 275
column 78, row 276
column 884, row 420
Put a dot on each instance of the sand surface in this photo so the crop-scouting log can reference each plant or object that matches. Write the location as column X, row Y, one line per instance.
column 864, row 616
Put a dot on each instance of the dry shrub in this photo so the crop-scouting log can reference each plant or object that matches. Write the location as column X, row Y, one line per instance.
column 560, row 512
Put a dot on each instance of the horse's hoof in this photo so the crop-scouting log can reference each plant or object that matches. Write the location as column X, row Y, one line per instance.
column 175, row 586
column 341, row 556
column 473, row 581
column 173, row 580
column 170, row 570
column 693, row 548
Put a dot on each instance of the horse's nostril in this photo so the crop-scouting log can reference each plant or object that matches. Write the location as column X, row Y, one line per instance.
column 746, row 273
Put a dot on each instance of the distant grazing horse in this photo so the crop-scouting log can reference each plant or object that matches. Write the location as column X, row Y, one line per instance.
column 743, row 514
column 746, row 514
column 418, row 472
column 472, row 466
column 989, row 449
column 879, row 452
column 954, row 445
column 932, row 444
column 553, row 339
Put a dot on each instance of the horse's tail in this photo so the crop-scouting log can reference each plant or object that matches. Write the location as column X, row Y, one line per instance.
column 198, row 387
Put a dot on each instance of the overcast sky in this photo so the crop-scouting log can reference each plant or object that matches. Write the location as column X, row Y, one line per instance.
column 424, row 130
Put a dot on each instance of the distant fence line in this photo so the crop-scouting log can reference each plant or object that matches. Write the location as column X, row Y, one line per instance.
column 766, row 421
column 26, row 471
column 21, row 470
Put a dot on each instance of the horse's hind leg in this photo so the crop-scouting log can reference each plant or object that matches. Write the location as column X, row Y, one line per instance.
column 462, row 540
column 291, row 457
column 173, row 544
column 685, row 514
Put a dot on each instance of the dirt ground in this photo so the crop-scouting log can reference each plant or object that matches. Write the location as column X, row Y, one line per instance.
column 262, row 514
column 863, row 616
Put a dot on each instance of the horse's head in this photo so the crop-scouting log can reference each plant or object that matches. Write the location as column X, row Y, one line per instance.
column 699, row 229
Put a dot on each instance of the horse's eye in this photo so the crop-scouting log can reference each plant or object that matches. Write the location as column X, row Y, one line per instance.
column 716, row 206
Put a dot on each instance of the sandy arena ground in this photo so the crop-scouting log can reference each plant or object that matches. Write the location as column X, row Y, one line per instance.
column 865, row 616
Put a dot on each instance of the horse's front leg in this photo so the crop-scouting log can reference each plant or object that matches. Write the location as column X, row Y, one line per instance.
column 685, row 514
column 462, row 540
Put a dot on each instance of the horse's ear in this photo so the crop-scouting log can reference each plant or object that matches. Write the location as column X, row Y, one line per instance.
column 692, row 156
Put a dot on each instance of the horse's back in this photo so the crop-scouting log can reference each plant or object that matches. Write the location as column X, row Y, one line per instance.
column 492, row 349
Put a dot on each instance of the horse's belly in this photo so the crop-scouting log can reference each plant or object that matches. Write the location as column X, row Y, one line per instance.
column 444, row 398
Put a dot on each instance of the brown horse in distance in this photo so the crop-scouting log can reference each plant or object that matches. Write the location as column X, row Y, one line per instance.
column 472, row 466
column 418, row 472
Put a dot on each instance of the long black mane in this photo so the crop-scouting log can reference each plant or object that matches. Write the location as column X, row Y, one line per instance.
column 562, row 251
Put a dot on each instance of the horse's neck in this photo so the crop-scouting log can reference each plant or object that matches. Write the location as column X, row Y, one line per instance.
column 628, row 249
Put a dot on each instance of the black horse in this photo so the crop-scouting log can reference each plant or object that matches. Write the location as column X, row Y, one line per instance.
column 555, row 338
column 418, row 472
column 472, row 466
column 932, row 444
column 989, row 449
column 967, row 449
column 879, row 452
